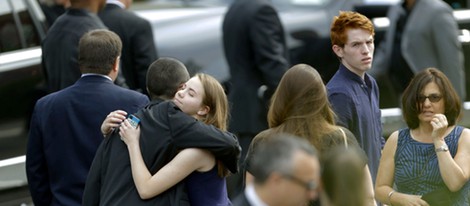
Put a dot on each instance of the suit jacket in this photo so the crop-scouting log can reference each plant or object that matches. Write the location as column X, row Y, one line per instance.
column 429, row 39
column 60, row 47
column 164, row 131
column 138, row 47
column 256, row 52
column 65, row 134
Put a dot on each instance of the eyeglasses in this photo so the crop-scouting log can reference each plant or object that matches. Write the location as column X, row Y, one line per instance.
column 310, row 185
column 432, row 97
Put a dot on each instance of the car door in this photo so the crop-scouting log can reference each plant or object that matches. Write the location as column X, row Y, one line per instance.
column 21, row 31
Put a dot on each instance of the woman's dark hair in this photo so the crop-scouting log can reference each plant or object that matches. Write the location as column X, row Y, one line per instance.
column 412, row 107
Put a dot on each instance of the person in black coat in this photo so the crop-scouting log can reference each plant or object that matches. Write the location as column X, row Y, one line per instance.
column 255, row 48
column 60, row 46
column 138, row 47
column 65, row 125
column 165, row 130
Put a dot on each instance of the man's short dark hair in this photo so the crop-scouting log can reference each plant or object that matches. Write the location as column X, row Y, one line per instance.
column 165, row 76
column 98, row 50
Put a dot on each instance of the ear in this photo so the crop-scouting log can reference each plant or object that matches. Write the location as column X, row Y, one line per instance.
column 275, row 178
column 116, row 64
column 338, row 51
column 203, row 111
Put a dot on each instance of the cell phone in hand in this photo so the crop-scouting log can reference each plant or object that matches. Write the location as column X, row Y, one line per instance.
column 133, row 120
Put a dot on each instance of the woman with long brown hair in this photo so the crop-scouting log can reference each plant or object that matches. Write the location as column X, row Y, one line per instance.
column 300, row 106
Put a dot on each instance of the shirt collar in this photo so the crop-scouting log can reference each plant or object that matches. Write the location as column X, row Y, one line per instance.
column 93, row 74
column 351, row 75
column 252, row 197
column 116, row 2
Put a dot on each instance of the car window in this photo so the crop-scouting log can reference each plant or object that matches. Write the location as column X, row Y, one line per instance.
column 9, row 38
column 30, row 35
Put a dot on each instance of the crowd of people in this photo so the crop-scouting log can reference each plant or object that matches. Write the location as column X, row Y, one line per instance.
column 280, row 136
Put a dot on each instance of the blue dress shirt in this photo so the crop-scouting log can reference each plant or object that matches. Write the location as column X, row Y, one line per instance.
column 356, row 103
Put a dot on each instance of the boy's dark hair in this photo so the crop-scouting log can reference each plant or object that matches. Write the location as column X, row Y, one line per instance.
column 165, row 76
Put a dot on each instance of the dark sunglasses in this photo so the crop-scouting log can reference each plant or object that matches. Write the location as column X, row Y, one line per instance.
column 432, row 97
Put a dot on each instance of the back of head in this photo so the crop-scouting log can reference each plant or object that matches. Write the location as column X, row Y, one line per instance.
column 301, row 105
column 343, row 176
column 165, row 76
column 216, row 99
column 411, row 105
column 275, row 154
column 98, row 51
column 348, row 20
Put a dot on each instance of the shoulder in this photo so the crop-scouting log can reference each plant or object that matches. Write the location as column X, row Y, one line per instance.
column 465, row 136
column 339, row 96
column 45, row 101
column 61, row 95
column 349, row 135
column 260, row 138
column 393, row 138
column 132, row 16
column 263, row 134
column 129, row 91
column 338, row 82
column 436, row 6
column 129, row 95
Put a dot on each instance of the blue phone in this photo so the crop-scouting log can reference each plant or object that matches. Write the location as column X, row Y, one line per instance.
column 133, row 120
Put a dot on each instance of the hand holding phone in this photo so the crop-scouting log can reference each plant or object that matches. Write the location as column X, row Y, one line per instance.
column 133, row 120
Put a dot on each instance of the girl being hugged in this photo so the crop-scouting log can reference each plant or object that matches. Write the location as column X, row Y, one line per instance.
column 203, row 98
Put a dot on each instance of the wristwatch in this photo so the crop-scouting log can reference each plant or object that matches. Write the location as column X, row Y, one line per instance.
column 442, row 148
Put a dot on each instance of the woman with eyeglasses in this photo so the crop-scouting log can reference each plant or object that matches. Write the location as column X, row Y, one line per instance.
column 428, row 162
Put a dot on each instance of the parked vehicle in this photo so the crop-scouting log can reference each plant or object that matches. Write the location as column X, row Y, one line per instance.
column 189, row 30
column 22, row 28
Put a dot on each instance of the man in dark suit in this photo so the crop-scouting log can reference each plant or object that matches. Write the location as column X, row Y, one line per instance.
column 138, row 48
column 60, row 47
column 165, row 130
column 256, row 52
column 65, row 126
column 286, row 172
